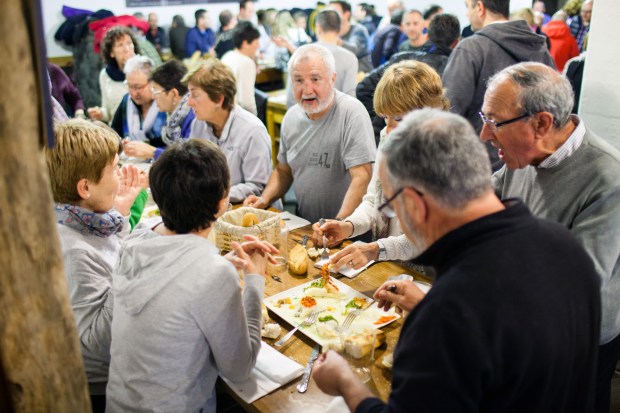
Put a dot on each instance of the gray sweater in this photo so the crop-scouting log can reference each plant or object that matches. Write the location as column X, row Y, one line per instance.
column 477, row 58
column 180, row 319
column 582, row 193
column 89, row 261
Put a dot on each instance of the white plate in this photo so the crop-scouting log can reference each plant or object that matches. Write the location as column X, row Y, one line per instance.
column 346, row 271
column 331, row 306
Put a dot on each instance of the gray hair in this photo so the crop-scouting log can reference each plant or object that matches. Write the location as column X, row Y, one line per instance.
column 539, row 89
column 139, row 63
column 559, row 15
column 329, row 20
column 439, row 154
column 310, row 51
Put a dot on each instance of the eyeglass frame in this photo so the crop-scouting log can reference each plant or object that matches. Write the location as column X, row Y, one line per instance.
column 496, row 125
column 134, row 87
column 157, row 92
column 385, row 207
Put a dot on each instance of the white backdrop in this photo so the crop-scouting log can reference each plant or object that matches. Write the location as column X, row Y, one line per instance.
column 52, row 17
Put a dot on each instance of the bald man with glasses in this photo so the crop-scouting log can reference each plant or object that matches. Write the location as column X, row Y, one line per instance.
column 565, row 173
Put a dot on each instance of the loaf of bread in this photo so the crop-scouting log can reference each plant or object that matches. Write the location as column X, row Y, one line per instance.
column 249, row 219
column 298, row 260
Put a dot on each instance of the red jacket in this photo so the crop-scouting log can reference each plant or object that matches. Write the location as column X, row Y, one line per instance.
column 563, row 44
column 100, row 27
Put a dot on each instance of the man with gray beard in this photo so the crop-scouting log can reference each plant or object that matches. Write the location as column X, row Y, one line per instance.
column 326, row 143
column 515, row 306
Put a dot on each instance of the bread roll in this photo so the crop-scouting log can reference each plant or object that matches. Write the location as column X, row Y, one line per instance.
column 298, row 260
column 249, row 219
column 271, row 330
column 359, row 345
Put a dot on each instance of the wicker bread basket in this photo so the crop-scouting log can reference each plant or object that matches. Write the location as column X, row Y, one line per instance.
column 228, row 228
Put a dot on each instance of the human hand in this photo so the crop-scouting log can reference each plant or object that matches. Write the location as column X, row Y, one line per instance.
column 404, row 294
column 138, row 149
column 335, row 232
column 331, row 371
column 280, row 41
column 95, row 113
column 253, row 263
column 251, row 245
column 132, row 179
column 355, row 255
column 256, row 202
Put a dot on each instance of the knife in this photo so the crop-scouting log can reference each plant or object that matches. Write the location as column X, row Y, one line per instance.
column 303, row 385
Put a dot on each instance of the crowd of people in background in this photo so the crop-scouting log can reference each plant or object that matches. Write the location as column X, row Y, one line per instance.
column 361, row 89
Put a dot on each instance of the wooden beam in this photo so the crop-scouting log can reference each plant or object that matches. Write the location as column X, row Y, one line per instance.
column 39, row 350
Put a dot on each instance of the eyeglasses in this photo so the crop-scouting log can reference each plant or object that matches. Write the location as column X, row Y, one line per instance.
column 387, row 210
column 156, row 92
column 496, row 125
column 134, row 87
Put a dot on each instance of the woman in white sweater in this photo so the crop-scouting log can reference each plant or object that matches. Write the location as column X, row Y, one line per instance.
column 404, row 87
column 241, row 62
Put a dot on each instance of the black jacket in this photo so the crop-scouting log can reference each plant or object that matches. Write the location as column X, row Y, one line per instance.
column 515, row 309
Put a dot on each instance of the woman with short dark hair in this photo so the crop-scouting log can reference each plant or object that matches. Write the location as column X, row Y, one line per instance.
column 170, row 95
column 181, row 316
column 117, row 47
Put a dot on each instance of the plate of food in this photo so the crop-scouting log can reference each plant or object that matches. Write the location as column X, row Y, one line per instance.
column 335, row 301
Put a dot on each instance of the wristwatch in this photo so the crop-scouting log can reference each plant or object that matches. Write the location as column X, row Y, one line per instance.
column 382, row 251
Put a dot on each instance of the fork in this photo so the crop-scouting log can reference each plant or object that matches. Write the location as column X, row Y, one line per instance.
column 349, row 320
column 314, row 315
column 351, row 317
column 324, row 253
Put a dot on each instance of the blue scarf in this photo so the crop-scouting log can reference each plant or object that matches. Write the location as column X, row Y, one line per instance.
column 87, row 221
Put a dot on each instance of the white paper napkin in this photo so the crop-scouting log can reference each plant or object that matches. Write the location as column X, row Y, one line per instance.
column 293, row 221
column 337, row 405
column 272, row 370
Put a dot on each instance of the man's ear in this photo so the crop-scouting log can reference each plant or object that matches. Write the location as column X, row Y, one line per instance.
column 415, row 205
column 543, row 123
column 482, row 11
column 83, row 189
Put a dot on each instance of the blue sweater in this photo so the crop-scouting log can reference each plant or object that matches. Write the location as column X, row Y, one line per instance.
column 197, row 40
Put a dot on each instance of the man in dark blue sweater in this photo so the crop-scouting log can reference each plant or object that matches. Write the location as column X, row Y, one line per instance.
column 512, row 321
column 200, row 38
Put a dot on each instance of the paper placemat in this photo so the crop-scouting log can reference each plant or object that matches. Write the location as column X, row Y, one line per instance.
column 293, row 221
column 272, row 370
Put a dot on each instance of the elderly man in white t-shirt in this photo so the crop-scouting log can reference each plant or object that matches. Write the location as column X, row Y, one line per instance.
column 326, row 144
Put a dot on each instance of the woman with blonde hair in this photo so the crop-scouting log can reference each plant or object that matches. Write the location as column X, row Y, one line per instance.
column 92, row 205
column 405, row 86
column 240, row 135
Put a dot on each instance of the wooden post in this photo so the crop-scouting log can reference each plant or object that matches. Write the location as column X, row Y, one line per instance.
column 40, row 361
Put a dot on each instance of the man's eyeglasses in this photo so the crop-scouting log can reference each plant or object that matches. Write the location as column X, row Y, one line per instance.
column 134, row 87
column 496, row 125
column 387, row 210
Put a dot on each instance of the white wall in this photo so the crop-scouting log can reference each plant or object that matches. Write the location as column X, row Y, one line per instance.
column 52, row 17
column 600, row 94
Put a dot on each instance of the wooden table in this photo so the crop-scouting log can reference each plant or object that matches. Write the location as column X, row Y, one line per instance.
column 276, row 109
column 286, row 399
